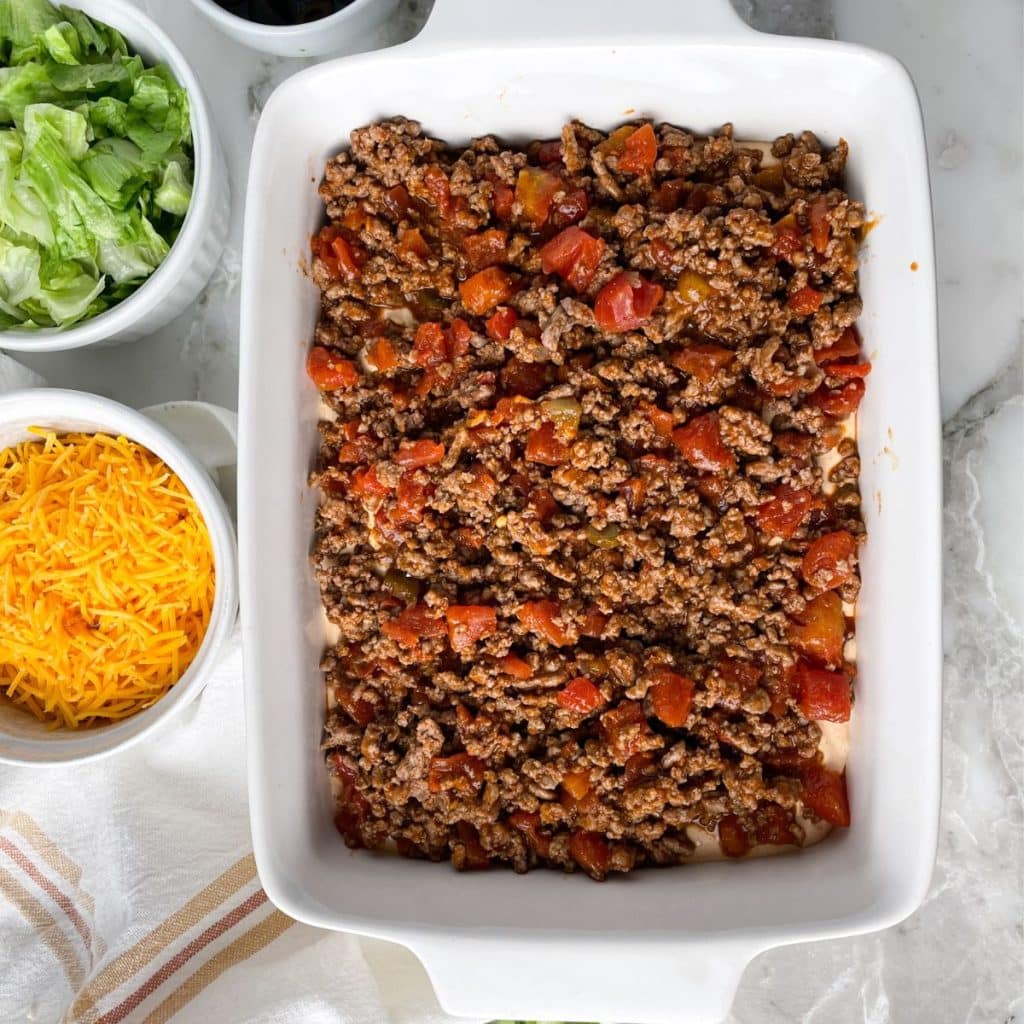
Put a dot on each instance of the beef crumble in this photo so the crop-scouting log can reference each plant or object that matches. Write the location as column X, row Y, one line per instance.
column 588, row 572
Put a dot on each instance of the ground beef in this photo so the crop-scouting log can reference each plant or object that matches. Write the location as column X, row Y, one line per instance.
column 588, row 572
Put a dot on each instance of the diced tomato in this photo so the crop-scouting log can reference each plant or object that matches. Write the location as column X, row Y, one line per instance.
column 539, row 617
column 580, row 695
column 671, row 696
column 774, row 825
column 840, row 402
column 732, row 836
column 544, row 446
column 635, row 490
column 362, row 712
column 824, row 794
column 502, row 199
column 349, row 258
column 458, row 337
column 361, row 448
column 700, row 442
column 848, row 371
column 500, row 323
column 529, row 825
column 576, row 784
column 414, row 624
column 524, row 379
column 661, row 420
column 824, row 695
column 626, row 302
column 571, row 208
column 328, row 371
column 817, row 219
column 382, row 356
column 638, row 767
column 668, row 195
column 782, row 516
column 789, row 239
column 780, row 682
column 846, row 347
column 413, row 454
column 541, row 505
column 515, row 667
column 486, row 248
column 535, row 190
column 641, row 151
column 483, row 484
column 410, row 497
column 591, row 852
column 819, row 631
column 805, row 301
column 411, row 242
column 485, row 290
column 626, row 730
column 397, row 201
column 702, row 361
column 745, row 674
column 664, row 255
column 475, row 856
column 549, row 153
column 468, row 623
column 792, row 442
column 594, row 623
column 366, row 484
column 828, row 562
column 430, row 347
column 574, row 255
column 436, row 183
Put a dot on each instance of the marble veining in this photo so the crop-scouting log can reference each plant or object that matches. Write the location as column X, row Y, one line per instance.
column 960, row 958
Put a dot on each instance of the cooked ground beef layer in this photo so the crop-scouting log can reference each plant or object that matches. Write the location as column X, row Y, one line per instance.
column 588, row 571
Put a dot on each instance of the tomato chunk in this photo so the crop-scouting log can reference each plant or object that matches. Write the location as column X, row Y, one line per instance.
column 468, row 623
column 430, row 348
column 782, row 516
column 576, row 784
column 840, row 402
column 485, row 290
column 367, row 485
column 412, row 243
column 774, row 825
column 535, row 190
column 702, row 361
column 485, row 248
column 848, row 371
column 805, row 301
column 700, row 442
column 829, row 560
column 460, row 771
column 382, row 356
column 328, row 371
column 732, row 836
column 529, row 825
column 824, row 695
column 502, row 200
column 789, row 239
column 436, row 183
column 641, row 151
column 671, row 696
column 626, row 730
column 817, row 219
column 591, row 852
column 574, row 255
column 580, row 695
column 847, row 346
column 410, row 497
column 819, row 631
column 500, row 324
column 824, row 794
column 414, row 624
column 545, row 447
column 594, row 623
column 413, row 454
column 626, row 302
column 539, row 617
column 515, row 667
column 570, row 208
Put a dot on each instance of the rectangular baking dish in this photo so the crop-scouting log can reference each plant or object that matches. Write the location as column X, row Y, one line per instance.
column 660, row 945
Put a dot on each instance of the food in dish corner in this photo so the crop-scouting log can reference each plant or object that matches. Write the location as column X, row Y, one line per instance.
column 589, row 520
column 95, row 166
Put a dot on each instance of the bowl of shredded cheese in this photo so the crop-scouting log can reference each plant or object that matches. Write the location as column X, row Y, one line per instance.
column 117, row 576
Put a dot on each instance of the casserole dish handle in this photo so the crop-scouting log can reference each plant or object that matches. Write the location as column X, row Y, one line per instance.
column 456, row 22
column 536, row 979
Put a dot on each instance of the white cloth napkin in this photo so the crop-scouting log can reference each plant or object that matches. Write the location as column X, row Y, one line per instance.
column 128, row 891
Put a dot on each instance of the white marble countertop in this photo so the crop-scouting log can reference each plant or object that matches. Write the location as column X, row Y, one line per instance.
column 960, row 958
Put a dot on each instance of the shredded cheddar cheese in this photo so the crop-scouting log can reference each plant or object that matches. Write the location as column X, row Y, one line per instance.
column 106, row 578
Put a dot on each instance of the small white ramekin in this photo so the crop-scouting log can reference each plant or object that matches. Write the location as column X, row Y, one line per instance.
column 174, row 285
column 23, row 739
column 333, row 34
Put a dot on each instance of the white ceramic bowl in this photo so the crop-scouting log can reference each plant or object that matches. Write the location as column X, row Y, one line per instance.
column 661, row 945
column 174, row 285
column 337, row 33
column 23, row 739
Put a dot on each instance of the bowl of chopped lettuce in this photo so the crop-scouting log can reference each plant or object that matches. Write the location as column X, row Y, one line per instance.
column 113, row 191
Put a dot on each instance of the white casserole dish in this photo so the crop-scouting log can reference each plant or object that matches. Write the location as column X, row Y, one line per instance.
column 658, row 946
column 176, row 283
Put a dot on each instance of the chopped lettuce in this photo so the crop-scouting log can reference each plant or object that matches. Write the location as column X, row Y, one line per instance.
column 95, row 165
